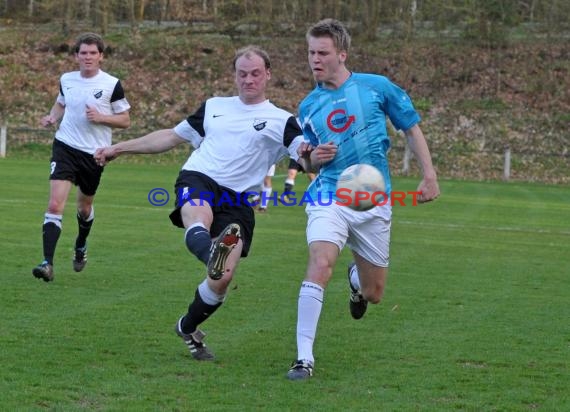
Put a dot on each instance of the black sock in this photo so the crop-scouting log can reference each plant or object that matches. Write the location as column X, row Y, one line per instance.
column 198, row 312
column 288, row 187
column 84, row 229
column 199, row 242
column 51, row 233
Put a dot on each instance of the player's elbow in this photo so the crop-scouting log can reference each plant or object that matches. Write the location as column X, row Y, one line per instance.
column 124, row 121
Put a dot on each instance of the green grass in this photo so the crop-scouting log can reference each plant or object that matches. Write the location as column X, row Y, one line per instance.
column 475, row 316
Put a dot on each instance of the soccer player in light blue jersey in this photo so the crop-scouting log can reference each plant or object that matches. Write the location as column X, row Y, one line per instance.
column 344, row 121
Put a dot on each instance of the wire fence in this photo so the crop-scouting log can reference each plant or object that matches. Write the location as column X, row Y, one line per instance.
column 450, row 161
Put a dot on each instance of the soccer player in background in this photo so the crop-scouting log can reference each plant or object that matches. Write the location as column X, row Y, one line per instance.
column 344, row 120
column 293, row 169
column 236, row 140
column 90, row 103
column 266, row 189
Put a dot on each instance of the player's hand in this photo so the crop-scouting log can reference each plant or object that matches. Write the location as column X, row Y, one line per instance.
column 92, row 114
column 304, row 150
column 48, row 120
column 429, row 190
column 324, row 153
column 104, row 155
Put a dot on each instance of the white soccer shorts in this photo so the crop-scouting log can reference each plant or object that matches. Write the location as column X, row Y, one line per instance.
column 366, row 233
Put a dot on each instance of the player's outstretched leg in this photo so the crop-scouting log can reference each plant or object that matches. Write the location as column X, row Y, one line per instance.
column 357, row 303
column 221, row 249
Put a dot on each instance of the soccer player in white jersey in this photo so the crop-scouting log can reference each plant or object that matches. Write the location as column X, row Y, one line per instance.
column 90, row 103
column 236, row 140
column 344, row 120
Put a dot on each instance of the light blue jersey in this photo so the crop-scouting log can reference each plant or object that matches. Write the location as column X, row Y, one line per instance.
column 354, row 118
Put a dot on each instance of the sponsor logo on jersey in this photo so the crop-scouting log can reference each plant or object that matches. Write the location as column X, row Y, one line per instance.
column 338, row 121
column 97, row 94
column 259, row 124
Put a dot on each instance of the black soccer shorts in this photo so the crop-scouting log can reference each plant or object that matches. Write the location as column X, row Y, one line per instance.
column 227, row 205
column 76, row 166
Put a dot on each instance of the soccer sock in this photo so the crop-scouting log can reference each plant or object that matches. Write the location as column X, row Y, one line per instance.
column 354, row 279
column 266, row 195
column 50, row 233
column 310, row 304
column 289, row 184
column 205, row 303
column 198, row 241
column 84, row 228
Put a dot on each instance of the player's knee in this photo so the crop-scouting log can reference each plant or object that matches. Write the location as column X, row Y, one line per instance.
column 221, row 285
column 84, row 212
column 320, row 269
column 55, row 207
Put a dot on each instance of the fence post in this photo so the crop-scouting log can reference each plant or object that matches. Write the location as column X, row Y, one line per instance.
column 3, row 135
column 507, row 166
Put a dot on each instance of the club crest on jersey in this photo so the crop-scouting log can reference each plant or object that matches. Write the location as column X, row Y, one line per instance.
column 259, row 124
column 338, row 121
column 97, row 93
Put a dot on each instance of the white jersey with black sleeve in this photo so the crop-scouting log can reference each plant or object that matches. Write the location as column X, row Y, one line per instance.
column 236, row 143
column 102, row 91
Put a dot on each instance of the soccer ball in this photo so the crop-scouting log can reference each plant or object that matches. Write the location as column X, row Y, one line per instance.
column 361, row 187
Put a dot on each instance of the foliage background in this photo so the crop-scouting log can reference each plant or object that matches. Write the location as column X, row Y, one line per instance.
column 485, row 75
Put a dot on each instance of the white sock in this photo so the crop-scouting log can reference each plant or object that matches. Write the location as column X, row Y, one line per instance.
column 266, row 195
column 55, row 219
column 208, row 295
column 310, row 303
column 354, row 279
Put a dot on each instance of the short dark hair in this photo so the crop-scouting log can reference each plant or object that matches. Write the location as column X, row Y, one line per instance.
column 89, row 38
column 248, row 51
column 333, row 29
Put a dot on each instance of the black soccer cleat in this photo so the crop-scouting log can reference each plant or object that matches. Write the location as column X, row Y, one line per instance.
column 221, row 249
column 79, row 258
column 195, row 343
column 300, row 370
column 357, row 303
column 43, row 271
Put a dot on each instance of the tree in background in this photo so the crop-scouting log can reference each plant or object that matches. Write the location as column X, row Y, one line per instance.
column 483, row 21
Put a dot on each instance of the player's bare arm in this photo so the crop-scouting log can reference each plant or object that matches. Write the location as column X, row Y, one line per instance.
column 156, row 142
column 428, row 187
column 54, row 115
column 118, row 120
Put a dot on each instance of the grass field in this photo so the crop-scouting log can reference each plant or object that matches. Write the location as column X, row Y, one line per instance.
column 476, row 315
